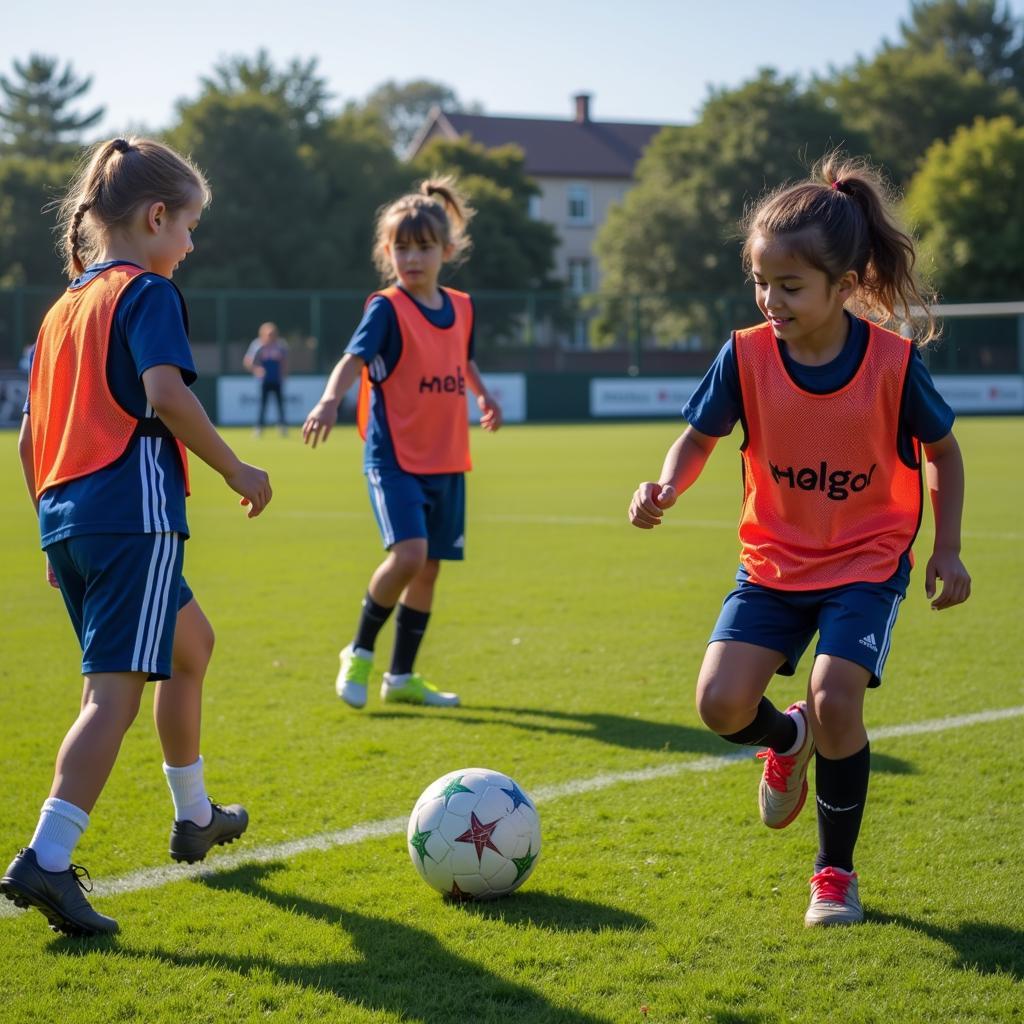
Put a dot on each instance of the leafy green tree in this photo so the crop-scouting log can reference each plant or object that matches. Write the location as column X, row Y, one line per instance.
column 37, row 109
column 511, row 251
column 404, row 106
column 967, row 201
column 676, row 231
column 297, row 86
column 980, row 35
column 28, row 185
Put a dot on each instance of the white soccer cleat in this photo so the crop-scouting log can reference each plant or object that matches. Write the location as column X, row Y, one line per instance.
column 353, row 677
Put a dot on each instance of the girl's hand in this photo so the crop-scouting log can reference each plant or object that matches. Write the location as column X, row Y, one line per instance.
column 649, row 503
column 490, row 412
column 51, row 576
column 318, row 423
column 945, row 565
column 253, row 485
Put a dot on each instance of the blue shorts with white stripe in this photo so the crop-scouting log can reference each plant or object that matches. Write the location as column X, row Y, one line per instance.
column 854, row 622
column 123, row 593
column 408, row 505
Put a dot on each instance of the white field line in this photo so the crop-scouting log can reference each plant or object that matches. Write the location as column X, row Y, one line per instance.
column 573, row 520
column 153, row 878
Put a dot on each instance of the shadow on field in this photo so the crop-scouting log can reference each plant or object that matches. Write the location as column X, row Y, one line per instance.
column 889, row 765
column 617, row 730
column 402, row 970
column 988, row 948
column 556, row 913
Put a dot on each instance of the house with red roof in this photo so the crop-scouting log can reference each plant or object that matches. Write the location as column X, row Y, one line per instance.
column 582, row 167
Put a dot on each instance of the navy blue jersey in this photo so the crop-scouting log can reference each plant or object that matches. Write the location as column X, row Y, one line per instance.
column 378, row 342
column 144, row 490
column 716, row 405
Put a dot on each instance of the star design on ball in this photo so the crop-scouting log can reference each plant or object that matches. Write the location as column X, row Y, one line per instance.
column 453, row 787
column 479, row 834
column 524, row 863
column 518, row 797
column 419, row 843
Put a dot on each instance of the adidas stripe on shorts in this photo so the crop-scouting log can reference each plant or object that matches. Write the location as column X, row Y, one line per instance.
column 123, row 593
column 854, row 622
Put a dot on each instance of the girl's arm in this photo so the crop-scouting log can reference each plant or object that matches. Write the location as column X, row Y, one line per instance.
column 683, row 464
column 490, row 410
column 324, row 414
column 944, row 473
column 181, row 413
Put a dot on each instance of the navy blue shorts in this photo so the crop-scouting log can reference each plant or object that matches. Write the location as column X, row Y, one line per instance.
column 854, row 622
column 123, row 593
column 431, row 506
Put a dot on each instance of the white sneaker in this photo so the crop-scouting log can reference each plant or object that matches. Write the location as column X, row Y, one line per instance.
column 414, row 689
column 353, row 677
column 834, row 898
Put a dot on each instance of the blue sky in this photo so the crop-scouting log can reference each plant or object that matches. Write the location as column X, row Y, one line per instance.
column 646, row 60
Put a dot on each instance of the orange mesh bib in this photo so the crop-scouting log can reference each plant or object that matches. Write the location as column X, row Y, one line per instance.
column 78, row 427
column 827, row 499
column 425, row 394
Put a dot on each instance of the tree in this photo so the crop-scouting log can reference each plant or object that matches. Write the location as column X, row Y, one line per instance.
column 957, row 60
column 404, row 107
column 967, row 201
column 511, row 251
column 676, row 231
column 37, row 118
column 28, row 185
column 302, row 92
column 976, row 35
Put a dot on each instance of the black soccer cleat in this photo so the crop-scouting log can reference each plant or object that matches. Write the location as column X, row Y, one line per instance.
column 57, row 895
column 190, row 843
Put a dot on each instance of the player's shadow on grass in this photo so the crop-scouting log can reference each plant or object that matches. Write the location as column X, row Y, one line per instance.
column 988, row 948
column 401, row 970
column 556, row 913
column 616, row 730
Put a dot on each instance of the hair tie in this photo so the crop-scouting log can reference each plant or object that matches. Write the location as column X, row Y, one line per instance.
column 839, row 186
column 121, row 145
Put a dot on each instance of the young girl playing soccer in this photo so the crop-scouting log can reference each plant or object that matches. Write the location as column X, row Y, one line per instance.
column 102, row 444
column 414, row 352
column 835, row 411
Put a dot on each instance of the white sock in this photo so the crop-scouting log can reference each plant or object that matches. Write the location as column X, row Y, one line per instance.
column 61, row 825
column 361, row 652
column 399, row 680
column 801, row 733
column 188, row 791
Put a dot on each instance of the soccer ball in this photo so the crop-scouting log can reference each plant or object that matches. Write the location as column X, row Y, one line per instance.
column 474, row 835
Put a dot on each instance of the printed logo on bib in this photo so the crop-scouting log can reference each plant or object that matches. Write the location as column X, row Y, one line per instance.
column 836, row 484
column 449, row 384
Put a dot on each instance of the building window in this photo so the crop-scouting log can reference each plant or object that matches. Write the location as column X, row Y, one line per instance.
column 533, row 207
column 580, row 277
column 579, row 204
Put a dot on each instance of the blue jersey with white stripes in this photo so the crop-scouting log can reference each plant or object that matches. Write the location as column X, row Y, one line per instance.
column 378, row 342
column 144, row 490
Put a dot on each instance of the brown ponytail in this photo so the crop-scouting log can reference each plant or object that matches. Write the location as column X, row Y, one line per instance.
column 116, row 178
column 436, row 212
column 842, row 219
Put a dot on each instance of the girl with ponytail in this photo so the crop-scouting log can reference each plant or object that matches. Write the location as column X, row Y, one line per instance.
column 413, row 353
column 837, row 409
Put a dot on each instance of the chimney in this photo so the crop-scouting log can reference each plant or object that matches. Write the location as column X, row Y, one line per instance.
column 582, row 107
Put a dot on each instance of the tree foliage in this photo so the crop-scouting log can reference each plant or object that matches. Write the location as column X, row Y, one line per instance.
column 37, row 109
column 404, row 106
column 511, row 251
column 967, row 201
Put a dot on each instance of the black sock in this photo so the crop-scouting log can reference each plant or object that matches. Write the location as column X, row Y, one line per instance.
column 770, row 728
column 842, row 788
column 371, row 621
column 410, row 625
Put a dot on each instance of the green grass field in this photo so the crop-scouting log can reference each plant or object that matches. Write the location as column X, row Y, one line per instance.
column 574, row 641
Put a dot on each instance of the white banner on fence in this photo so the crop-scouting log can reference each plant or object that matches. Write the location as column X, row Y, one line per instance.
column 982, row 394
column 238, row 398
column 640, row 396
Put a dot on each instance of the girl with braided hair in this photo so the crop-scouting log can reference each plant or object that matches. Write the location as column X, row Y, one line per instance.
column 103, row 447
column 836, row 410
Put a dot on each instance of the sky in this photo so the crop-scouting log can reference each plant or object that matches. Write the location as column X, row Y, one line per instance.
column 642, row 60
